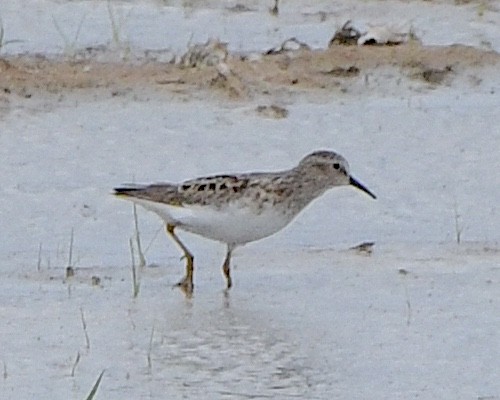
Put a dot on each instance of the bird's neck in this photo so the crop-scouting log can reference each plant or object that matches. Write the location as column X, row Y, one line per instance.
column 305, row 188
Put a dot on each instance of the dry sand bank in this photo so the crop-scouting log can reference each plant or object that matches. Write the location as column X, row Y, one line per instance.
column 299, row 70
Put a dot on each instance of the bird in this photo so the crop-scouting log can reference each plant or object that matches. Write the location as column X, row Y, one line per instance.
column 236, row 209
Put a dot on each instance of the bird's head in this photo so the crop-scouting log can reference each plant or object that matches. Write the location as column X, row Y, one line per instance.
column 330, row 168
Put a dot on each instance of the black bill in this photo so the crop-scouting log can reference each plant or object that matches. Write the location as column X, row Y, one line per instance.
column 361, row 187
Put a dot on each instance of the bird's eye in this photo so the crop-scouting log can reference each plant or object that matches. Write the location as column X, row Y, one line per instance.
column 336, row 165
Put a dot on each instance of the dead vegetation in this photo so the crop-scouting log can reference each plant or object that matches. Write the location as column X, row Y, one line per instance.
column 365, row 248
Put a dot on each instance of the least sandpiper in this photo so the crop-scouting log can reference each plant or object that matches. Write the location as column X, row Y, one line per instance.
column 240, row 208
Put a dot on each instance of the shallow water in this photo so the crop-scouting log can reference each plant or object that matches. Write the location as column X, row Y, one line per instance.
column 296, row 324
column 53, row 26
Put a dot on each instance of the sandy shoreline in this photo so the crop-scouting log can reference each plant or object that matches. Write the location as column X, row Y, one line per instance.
column 299, row 70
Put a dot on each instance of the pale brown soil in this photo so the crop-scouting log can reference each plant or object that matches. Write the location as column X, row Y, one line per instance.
column 300, row 70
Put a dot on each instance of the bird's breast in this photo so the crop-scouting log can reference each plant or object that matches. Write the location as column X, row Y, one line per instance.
column 233, row 224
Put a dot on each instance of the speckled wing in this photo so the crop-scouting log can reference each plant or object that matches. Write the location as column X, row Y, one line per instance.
column 200, row 191
column 213, row 190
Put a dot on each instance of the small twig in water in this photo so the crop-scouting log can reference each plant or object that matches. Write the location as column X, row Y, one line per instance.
column 77, row 360
column 161, row 228
column 69, row 45
column 408, row 306
column 404, row 273
column 70, row 256
column 116, row 30
column 39, row 262
column 129, row 313
column 142, row 259
column 5, row 375
column 135, row 281
column 275, row 10
column 3, row 42
column 458, row 224
column 150, row 364
column 84, row 324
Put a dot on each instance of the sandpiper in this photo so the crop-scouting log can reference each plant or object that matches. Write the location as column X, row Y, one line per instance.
column 240, row 208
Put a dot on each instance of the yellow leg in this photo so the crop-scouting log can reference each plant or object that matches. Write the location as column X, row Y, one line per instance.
column 226, row 268
column 186, row 284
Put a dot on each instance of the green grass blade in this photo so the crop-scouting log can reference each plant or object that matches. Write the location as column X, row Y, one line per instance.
column 96, row 386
